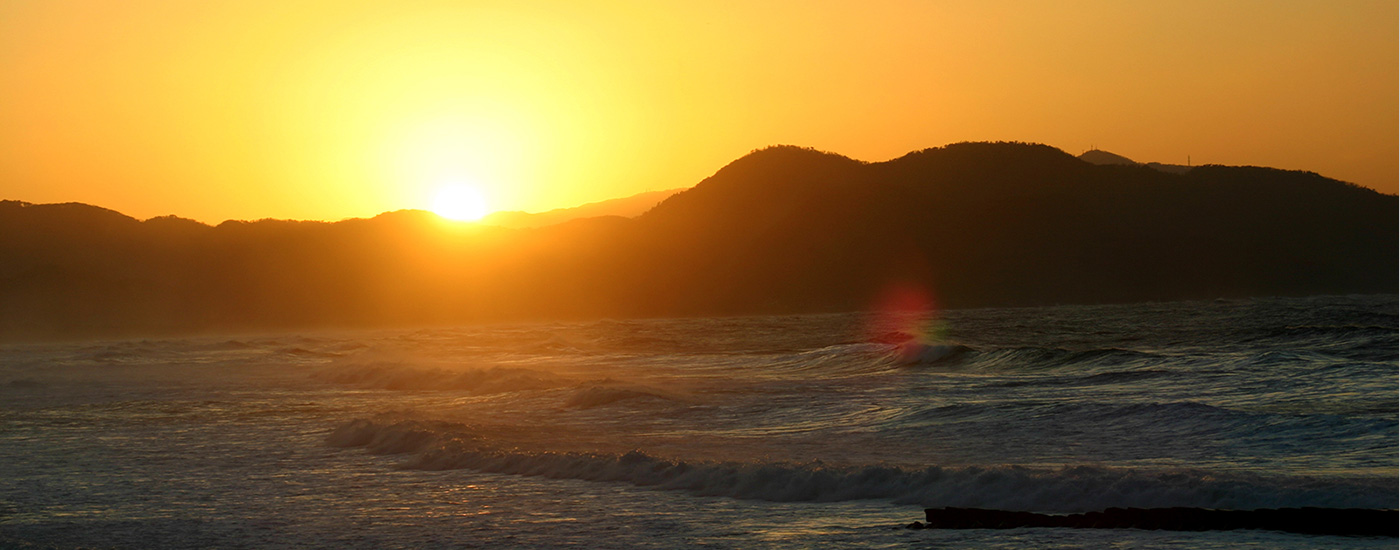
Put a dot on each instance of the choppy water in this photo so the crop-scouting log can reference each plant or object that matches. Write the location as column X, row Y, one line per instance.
column 752, row 432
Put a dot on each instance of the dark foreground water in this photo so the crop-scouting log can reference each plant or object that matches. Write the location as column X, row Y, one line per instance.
column 758, row 432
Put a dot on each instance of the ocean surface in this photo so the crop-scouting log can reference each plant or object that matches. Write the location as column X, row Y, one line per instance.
column 749, row 432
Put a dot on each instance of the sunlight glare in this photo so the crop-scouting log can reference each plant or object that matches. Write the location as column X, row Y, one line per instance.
column 458, row 201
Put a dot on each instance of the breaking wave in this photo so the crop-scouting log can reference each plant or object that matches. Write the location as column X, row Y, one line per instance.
column 449, row 446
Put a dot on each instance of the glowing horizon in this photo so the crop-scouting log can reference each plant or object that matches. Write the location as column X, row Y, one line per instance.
column 331, row 110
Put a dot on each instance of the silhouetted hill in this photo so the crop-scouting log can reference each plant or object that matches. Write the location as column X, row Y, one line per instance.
column 1014, row 224
column 784, row 229
column 627, row 207
column 1095, row 156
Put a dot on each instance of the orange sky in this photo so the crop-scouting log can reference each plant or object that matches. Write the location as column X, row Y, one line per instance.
column 331, row 109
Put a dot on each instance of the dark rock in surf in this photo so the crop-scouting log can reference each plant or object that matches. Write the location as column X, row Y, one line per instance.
column 1312, row 521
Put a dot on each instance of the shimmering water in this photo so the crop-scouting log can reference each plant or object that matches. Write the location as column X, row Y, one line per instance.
column 753, row 432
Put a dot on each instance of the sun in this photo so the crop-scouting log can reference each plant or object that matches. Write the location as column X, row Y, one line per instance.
column 459, row 201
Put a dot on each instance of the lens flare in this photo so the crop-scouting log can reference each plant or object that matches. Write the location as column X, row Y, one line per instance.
column 906, row 315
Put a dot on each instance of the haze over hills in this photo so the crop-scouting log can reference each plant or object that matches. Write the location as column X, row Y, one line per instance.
column 783, row 229
column 627, row 207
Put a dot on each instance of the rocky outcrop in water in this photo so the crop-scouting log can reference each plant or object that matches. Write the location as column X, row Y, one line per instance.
column 1312, row 521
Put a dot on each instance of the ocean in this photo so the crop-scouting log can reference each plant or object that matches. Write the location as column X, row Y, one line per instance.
column 830, row 431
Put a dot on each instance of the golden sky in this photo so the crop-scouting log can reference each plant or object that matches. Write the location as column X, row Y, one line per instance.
column 251, row 109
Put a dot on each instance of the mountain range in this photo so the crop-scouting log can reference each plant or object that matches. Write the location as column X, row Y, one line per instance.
column 782, row 230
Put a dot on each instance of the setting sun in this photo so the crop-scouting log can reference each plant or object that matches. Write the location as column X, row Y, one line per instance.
column 459, row 202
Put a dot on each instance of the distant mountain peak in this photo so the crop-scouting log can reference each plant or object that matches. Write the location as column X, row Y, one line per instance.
column 1101, row 157
column 1098, row 156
